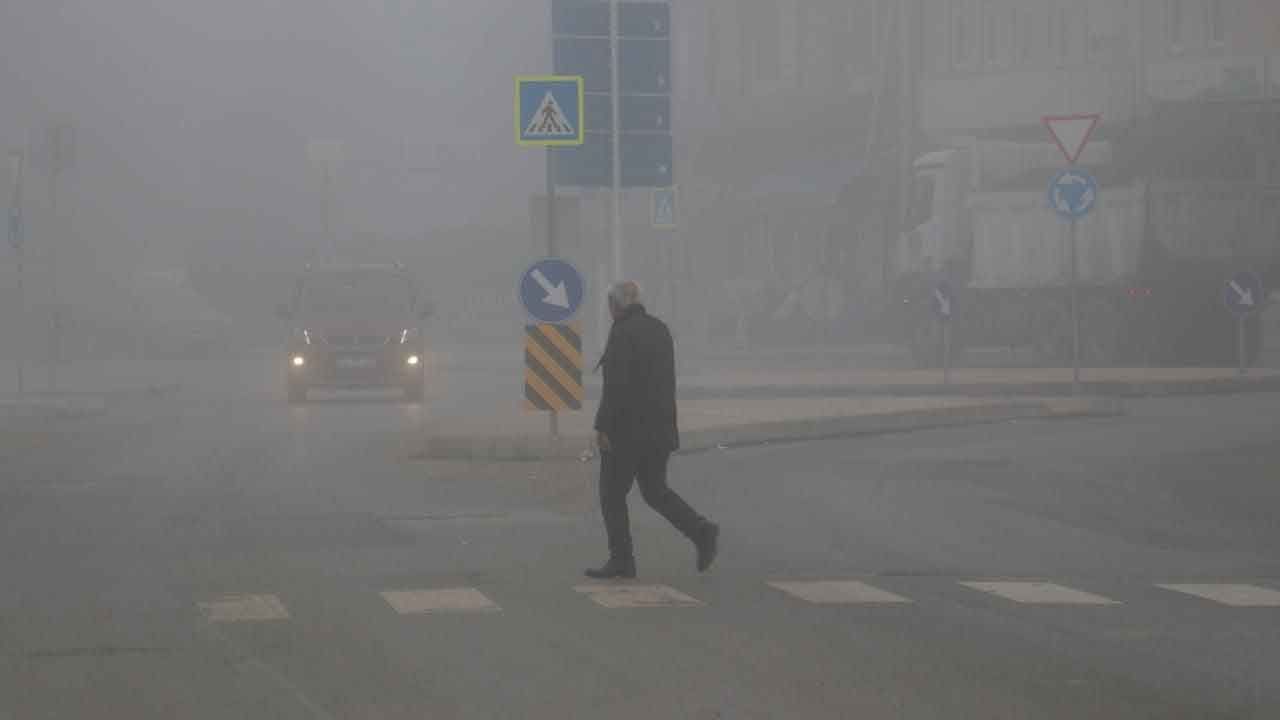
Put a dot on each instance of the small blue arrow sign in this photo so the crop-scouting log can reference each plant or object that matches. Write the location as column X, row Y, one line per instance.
column 664, row 208
column 943, row 301
column 1244, row 294
column 1073, row 194
column 552, row 291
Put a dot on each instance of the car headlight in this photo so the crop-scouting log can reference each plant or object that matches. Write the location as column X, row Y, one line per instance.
column 413, row 360
column 299, row 361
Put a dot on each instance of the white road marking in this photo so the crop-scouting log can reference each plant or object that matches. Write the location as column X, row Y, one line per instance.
column 245, row 608
column 1229, row 594
column 636, row 596
column 839, row 592
column 1039, row 593
column 420, row 602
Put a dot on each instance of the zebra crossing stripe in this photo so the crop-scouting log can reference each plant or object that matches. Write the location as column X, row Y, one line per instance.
column 244, row 608
column 839, row 592
column 1039, row 593
column 1231, row 595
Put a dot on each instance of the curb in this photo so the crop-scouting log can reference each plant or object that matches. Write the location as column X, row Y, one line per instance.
column 1096, row 389
column 529, row 448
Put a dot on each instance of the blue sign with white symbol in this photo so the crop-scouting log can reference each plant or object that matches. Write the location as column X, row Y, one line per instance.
column 664, row 208
column 552, row 291
column 1073, row 194
column 943, row 301
column 549, row 111
column 1244, row 294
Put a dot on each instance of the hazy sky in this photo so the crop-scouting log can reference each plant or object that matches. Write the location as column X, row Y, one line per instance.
column 212, row 104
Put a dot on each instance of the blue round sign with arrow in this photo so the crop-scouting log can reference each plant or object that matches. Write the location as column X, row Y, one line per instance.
column 943, row 301
column 552, row 291
column 1244, row 293
column 1073, row 194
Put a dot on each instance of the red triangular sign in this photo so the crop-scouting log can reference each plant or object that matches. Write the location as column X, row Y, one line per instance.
column 1072, row 133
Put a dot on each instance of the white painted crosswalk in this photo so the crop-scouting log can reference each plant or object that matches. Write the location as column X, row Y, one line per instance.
column 839, row 592
column 258, row 608
column 1233, row 595
column 1039, row 593
column 425, row 602
column 244, row 608
column 636, row 596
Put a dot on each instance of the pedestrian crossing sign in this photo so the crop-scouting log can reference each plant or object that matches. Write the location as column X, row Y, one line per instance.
column 549, row 111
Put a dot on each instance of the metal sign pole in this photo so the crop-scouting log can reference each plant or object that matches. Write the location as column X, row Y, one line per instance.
column 1240, row 345
column 946, row 352
column 616, row 99
column 554, row 417
column 1075, row 312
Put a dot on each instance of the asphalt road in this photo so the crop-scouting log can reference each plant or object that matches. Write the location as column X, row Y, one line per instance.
column 213, row 553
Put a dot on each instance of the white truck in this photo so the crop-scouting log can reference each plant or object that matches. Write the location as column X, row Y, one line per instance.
column 1153, row 257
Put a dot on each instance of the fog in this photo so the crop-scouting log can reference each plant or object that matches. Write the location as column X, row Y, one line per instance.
column 224, row 146
column 201, row 134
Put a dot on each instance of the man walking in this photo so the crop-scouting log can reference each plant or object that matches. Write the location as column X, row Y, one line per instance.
column 636, row 430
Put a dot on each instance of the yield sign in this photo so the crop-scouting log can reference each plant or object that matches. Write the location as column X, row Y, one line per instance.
column 1072, row 133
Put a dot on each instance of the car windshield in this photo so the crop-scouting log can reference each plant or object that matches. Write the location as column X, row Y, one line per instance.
column 356, row 292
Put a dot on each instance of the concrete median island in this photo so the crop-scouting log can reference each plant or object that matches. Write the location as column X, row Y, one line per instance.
column 714, row 422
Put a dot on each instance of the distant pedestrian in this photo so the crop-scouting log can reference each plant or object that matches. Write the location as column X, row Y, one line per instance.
column 637, row 433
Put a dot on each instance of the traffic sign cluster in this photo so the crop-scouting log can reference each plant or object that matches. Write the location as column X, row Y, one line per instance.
column 581, row 37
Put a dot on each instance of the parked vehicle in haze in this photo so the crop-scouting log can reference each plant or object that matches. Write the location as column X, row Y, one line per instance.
column 1153, row 256
column 356, row 327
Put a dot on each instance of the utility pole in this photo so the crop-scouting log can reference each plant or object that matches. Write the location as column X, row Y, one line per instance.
column 59, row 147
column 616, row 99
column 17, row 162
column 909, row 26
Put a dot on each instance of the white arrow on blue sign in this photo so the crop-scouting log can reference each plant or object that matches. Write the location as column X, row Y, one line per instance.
column 1244, row 293
column 1073, row 194
column 552, row 291
column 943, row 301
column 664, row 208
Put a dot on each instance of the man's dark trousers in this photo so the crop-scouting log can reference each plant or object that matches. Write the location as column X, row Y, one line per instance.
column 622, row 467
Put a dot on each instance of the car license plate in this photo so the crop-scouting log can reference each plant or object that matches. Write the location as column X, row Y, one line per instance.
column 357, row 362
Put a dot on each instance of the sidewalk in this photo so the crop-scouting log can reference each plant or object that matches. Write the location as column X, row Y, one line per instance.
column 978, row 382
column 712, row 423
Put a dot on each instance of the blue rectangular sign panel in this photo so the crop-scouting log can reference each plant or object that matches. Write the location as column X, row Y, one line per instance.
column 581, row 18
column 549, row 111
column 588, row 57
column 647, row 161
column 646, row 113
column 588, row 165
column 644, row 65
column 644, row 19
column 599, row 109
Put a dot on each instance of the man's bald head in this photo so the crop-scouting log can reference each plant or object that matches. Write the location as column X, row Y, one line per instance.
column 622, row 296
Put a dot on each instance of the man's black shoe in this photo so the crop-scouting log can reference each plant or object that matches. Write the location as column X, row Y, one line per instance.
column 614, row 570
column 708, row 546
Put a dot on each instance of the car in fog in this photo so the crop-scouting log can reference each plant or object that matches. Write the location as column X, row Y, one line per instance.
column 356, row 327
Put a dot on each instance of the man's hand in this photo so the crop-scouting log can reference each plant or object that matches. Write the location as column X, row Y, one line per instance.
column 602, row 442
